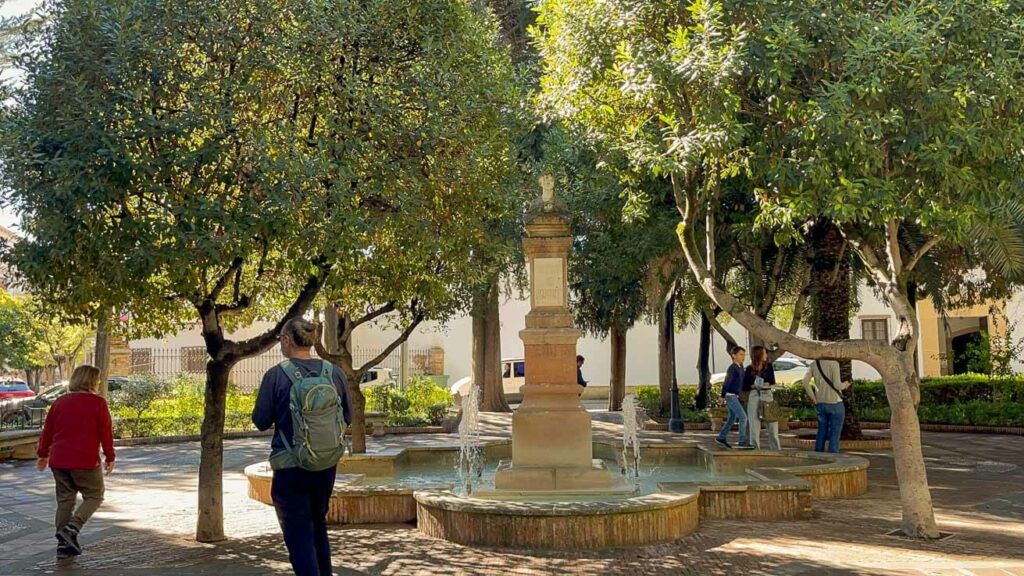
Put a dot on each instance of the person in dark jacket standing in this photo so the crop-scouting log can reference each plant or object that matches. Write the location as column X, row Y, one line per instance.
column 77, row 425
column 301, row 497
column 579, row 371
column 731, row 389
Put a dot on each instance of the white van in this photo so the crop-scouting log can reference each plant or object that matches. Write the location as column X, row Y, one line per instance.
column 513, row 376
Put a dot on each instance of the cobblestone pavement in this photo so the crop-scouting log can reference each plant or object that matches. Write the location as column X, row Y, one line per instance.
column 144, row 527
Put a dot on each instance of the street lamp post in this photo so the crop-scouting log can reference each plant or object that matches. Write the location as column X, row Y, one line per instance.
column 675, row 422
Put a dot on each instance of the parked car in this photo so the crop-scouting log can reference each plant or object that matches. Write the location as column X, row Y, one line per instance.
column 377, row 376
column 11, row 389
column 787, row 371
column 513, row 376
column 115, row 383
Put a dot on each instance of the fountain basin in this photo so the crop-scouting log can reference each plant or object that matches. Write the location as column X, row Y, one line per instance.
column 679, row 482
column 559, row 525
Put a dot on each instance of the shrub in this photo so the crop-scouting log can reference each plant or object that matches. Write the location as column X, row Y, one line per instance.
column 138, row 395
column 437, row 413
column 177, row 410
column 423, row 393
column 422, row 402
column 649, row 398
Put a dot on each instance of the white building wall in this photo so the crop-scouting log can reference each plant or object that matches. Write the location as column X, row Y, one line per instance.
column 455, row 338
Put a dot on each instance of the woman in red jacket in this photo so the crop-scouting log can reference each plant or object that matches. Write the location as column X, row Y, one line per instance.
column 76, row 426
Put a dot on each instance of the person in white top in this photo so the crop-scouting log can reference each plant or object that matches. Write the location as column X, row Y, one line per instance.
column 828, row 402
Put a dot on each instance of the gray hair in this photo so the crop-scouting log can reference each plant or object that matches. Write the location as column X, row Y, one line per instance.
column 301, row 331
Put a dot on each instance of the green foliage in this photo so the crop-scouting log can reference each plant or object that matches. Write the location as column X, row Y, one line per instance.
column 978, row 355
column 176, row 410
column 422, row 402
column 899, row 117
column 612, row 256
column 971, row 399
column 649, row 397
column 18, row 334
column 139, row 393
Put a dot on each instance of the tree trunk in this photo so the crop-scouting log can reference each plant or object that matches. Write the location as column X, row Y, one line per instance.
column 102, row 350
column 617, row 381
column 357, row 404
column 666, row 350
column 704, row 363
column 210, row 523
column 830, row 288
column 908, row 458
column 487, row 349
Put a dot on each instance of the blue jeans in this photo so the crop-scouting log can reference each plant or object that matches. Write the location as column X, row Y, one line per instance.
column 301, row 498
column 830, row 425
column 736, row 414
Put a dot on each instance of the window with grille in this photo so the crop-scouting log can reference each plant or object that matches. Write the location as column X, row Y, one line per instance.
column 875, row 329
column 193, row 359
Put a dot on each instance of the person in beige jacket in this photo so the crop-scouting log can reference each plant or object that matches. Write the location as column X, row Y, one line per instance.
column 828, row 402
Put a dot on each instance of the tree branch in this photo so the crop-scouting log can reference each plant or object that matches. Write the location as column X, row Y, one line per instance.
column 391, row 347
column 892, row 248
column 921, row 252
column 712, row 316
column 299, row 307
column 772, row 335
column 222, row 282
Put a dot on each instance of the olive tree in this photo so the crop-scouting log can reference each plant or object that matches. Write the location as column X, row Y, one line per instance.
column 878, row 116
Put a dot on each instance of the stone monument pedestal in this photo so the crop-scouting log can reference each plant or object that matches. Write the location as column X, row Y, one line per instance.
column 552, row 444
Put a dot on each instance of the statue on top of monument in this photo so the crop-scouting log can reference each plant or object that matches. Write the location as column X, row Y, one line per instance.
column 548, row 202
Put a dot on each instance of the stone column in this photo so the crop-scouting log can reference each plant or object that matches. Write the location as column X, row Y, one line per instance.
column 551, row 435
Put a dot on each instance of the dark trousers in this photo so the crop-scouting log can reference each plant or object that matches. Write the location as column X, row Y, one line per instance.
column 830, row 426
column 69, row 484
column 301, row 498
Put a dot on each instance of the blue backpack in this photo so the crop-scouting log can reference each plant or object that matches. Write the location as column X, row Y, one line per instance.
column 318, row 421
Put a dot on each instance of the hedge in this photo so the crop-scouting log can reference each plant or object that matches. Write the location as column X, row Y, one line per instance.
column 649, row 398
column 970, row 399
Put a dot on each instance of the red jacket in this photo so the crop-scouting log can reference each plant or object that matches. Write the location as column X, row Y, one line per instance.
column 76, row 425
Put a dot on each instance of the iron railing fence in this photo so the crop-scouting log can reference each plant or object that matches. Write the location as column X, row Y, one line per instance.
column 166, row 362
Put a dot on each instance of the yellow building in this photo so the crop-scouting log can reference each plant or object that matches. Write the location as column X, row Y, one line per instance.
column 944, row 337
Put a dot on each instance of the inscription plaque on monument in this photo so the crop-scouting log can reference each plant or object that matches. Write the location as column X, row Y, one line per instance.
column 548, row 284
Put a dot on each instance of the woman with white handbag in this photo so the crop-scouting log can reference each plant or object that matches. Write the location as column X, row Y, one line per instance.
column 759, row 378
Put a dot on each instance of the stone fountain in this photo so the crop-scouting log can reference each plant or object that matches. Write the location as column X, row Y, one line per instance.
column 552, row 443
column 545, row 488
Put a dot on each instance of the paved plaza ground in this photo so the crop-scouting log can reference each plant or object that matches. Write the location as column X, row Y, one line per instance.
column 145, row 526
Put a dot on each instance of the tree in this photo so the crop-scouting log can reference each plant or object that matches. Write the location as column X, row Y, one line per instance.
column 880, row 117
column 413, row 127
column 155, row 160
column 18, row 335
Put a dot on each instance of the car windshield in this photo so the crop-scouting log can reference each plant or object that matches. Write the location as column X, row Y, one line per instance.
column 784, row 365
column 54, row 392
column 13, row 387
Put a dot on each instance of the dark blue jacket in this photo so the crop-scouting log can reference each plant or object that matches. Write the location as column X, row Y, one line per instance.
column 767, row 374
column 733, row 380
column 272, row 402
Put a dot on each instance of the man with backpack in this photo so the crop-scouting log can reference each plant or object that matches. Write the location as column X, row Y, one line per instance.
column 304, row 399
